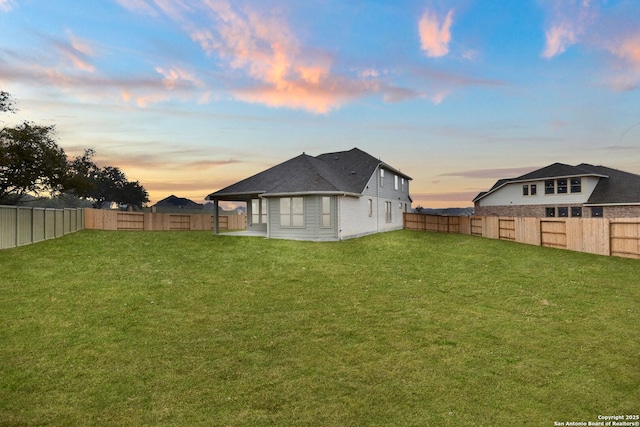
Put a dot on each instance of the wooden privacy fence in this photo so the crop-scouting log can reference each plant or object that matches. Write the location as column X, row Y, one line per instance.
column 98, row 219
column 21, row 225
column 602, row 236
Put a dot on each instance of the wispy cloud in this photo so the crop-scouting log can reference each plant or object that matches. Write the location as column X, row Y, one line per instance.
column 460, row 198
column 6, row 5
column 260, row 47
column 612, row 32
column 627, row 50
column 435, row 34
column 496, row 173
column 568, row 21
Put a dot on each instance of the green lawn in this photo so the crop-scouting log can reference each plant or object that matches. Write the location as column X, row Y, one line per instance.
column 403, row 328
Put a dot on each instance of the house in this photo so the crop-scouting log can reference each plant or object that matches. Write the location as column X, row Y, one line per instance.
column 560, row 190
column 174, row 202
column 332, row 196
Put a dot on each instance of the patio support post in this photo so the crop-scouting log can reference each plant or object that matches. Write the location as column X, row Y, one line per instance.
column 216, row 225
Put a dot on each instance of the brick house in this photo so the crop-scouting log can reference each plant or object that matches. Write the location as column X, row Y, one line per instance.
column 560, row 190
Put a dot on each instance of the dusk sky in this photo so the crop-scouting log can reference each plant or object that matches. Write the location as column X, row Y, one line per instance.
column 189, row 96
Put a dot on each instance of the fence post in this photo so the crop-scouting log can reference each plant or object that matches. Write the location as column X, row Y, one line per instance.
column 17, row 226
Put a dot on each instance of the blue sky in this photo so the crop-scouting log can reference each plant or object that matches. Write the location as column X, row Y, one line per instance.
column 188, row 97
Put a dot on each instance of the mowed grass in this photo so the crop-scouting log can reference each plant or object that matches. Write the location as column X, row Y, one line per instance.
column 403, row 328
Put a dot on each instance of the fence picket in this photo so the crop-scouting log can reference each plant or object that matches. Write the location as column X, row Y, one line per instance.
column 601, row 236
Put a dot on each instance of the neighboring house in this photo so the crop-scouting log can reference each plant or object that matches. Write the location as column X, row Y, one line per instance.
column 561, row 190
column 332, row 196
column 175, row 202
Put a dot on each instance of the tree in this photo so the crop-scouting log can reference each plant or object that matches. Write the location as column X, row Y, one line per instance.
column 102, row 185
column 6, row 103
column 30, row 162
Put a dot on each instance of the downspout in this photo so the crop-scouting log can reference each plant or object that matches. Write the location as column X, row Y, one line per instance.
column 377, row 180
column 339, row 222
column 268, row 216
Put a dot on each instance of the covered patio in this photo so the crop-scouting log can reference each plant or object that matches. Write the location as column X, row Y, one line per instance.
column 253, row 202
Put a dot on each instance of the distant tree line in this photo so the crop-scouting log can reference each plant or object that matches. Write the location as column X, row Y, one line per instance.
column 32, row 164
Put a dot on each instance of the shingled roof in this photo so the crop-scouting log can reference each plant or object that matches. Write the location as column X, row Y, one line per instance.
column 614, row 187
column 340, row 172
column 618, row 188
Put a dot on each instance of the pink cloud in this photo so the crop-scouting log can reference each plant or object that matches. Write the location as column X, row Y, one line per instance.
column 569, row 20
column 176, row 76
column 625, row 75
column 435, row 36
column 629, row 50
column 560, row 36
column 77, row 52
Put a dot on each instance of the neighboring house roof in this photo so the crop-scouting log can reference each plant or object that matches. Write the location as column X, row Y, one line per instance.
column 614, row 187
column 340, row 172
column 173, row 201
column 618, row 188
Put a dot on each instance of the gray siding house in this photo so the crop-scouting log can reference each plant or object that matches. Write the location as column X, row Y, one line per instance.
column 329, row 197
column 560, row 190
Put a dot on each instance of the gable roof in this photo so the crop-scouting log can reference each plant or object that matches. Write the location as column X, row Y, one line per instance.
column 173, row 200
column 339, row 172
column 614, row 187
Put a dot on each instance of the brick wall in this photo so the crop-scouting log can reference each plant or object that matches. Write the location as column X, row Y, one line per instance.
column 538, row 211
column 621, row 211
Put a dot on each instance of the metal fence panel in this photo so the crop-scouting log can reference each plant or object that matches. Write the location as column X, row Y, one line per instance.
column 8, row 226
column 21, row 225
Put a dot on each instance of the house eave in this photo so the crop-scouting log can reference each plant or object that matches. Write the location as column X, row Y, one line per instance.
column 395, row 171
column 232, row 196
column 311, row 193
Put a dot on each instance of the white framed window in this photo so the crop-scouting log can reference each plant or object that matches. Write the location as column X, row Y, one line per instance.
column 326, row 211
column 402, row 185
column 255, row 211
column 292, row 212
column 381, row 177
column 370, row 202
column 258, row 211
column 387, row 216
column 395, row 182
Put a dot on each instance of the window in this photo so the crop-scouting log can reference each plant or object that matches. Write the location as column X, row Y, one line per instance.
column 402, row 184
column 395, row 182
column 550, row 212
column 549, row 186
column 525, row 190
column 292, row 212
column 562, row 186
column 381, row 177
column 576, row 211
column 326, row 211
column 259, row 211
column 370, row 207
column 255, row 211
column 576, row 185
column 563, row 212
column 597, row 212
column 387, row 216
column 534, row 189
